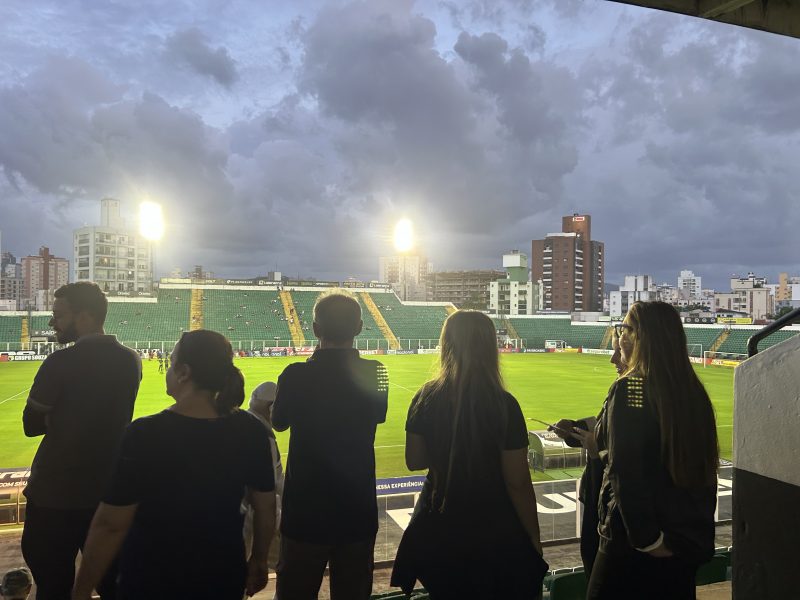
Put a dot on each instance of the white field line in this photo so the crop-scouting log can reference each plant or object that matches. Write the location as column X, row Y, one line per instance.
column 402, row 387
column 14, row 396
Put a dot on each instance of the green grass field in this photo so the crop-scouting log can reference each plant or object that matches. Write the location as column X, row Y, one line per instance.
column 548, row 387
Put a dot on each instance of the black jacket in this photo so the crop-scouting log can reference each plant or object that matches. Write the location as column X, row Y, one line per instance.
column 638, row 499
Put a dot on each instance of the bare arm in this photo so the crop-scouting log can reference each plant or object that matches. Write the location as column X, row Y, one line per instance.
column 264, row 512
column 109, row 527
column 416, row 452
column 517, row 478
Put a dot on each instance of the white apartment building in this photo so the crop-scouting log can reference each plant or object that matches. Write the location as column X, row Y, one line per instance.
column 637, row 288
column 748, row 295
column 112, row 255
column 691, row 285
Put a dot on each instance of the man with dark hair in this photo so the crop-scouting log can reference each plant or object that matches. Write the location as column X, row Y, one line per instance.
column 81, row 401
column 333, row 403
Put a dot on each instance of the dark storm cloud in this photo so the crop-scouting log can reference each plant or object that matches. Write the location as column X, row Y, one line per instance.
column 191, row 47
column 482, row 121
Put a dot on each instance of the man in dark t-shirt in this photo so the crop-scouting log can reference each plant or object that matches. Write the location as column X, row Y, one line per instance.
column 81, row 401
column 333, row 404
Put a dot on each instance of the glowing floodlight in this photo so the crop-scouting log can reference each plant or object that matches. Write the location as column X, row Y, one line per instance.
column 151, row 221
column 403, row 235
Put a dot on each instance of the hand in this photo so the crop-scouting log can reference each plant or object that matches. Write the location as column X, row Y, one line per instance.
column 562, row 428
column 257, row 576
column 587, row 440
column 661, row 551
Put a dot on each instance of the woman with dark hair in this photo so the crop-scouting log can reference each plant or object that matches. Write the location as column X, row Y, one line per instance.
column 176, row 494
column 657, row 438
column 475, row 529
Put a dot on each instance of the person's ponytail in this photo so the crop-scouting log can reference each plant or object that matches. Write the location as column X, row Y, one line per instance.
column 231, row 395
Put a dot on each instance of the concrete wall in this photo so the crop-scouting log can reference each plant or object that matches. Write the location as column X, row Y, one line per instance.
column 766, row 490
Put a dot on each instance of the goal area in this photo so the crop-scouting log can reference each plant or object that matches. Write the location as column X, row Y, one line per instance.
column 722, row 359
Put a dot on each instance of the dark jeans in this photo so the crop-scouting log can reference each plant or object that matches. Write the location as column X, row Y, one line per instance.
column 301, row 567
column 50, row 543
column 626, row 573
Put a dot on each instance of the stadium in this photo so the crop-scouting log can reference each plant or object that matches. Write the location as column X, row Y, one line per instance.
column 268, row 325
column 555, row 362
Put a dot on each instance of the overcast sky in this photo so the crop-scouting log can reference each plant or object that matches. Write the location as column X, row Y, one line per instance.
column 292, row 135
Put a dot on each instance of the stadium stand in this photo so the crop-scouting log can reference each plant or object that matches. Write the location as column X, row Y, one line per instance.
column 737, row 340
column 409, row 322
column 159, row 321
column 304, row 304
column 245, row 316
column 705, row 336
column 372, row 309
column 292, row 317
column 534, row 332
column 10, row 329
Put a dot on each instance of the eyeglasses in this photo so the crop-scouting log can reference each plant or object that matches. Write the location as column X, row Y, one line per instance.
column 619, row 328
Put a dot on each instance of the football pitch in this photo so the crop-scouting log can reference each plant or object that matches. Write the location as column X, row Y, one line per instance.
column 548, row 386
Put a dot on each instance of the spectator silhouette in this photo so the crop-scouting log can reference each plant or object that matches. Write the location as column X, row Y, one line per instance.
column 475, row 529
column 657, row 438
column 333, row 404
column 581, row 433
column 81, row 400
column 175, row 498
column 261, row 402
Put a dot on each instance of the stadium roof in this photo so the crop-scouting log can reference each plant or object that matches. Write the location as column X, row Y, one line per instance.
column 776, row 16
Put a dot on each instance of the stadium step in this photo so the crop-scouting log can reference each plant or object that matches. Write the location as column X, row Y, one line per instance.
column 606, row 343
column 510, row 329
column 196, row 310
column 25, row 335
column 394, row 343
column 723, row 335
column 292, row 319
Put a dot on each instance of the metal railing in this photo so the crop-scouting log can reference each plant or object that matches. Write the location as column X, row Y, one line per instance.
column 787, row 319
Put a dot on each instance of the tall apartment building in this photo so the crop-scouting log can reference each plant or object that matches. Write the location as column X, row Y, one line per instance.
column 514, row 294
column 112, row 255
column 407, row 273
column 11, row 283
column 748, row 295
column 690, row 286
column 637, row 288
column 42, row 275
column 465, row 289
column 571, row 266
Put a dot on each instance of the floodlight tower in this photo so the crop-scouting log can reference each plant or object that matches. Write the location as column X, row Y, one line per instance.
column 151, row 228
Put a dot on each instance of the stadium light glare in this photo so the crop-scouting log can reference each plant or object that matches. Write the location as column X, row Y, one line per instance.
column 151, row 221
column 403, row 235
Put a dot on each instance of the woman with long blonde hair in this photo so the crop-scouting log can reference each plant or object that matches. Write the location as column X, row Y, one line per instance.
column 475, row 529
column 657, row 438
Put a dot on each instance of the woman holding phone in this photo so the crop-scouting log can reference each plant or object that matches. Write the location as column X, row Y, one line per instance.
column 581, row 433
column 657, row 440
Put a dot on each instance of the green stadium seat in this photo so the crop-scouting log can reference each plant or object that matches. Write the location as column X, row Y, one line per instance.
column 713, row 571
column 10, row 331
column 250, row 319
column 568, row 586
column 414, row 326
column 370, row 337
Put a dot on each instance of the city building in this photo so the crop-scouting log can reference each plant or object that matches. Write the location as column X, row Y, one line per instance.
column 749, row 295
column 787, row 291
column 11, row 284
column 465, row 289
column 690, row 286
column 42, row 275
column 114, row 256
column 407, row 275
column 637, row 288
column 571, row 267
column 514, row 294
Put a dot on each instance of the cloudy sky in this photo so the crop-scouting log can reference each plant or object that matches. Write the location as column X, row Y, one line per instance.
column 292, row 135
